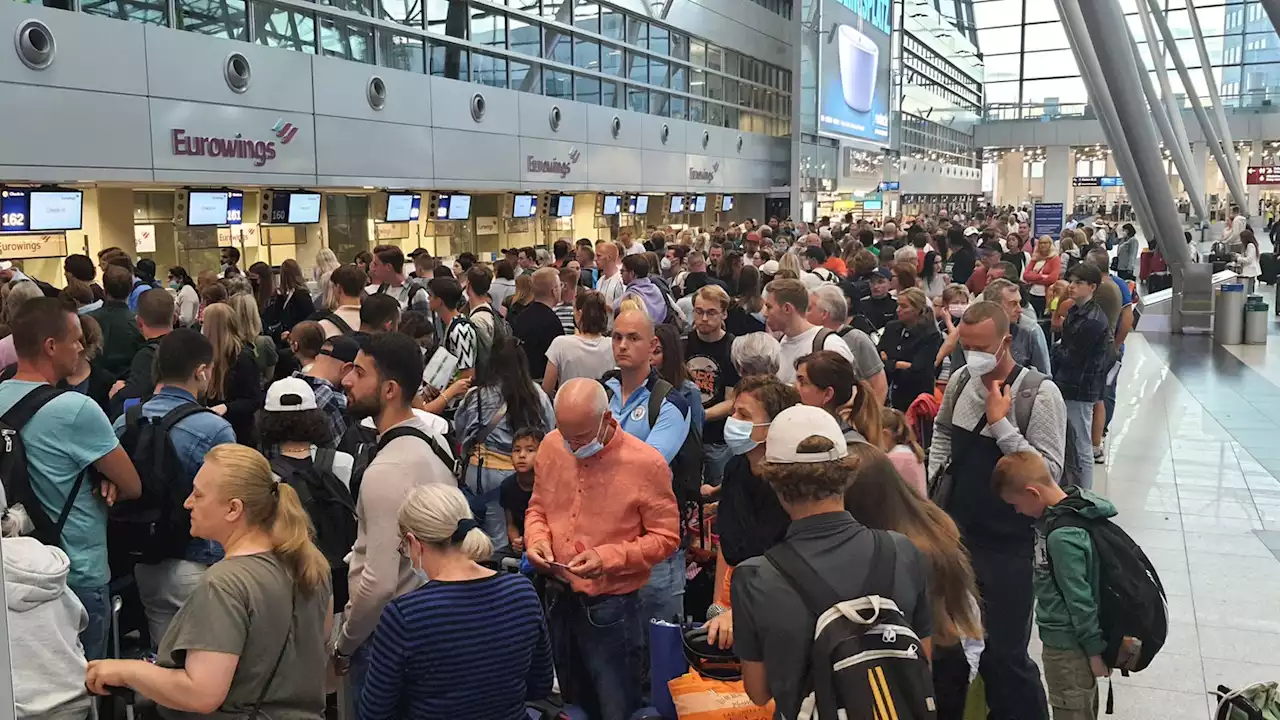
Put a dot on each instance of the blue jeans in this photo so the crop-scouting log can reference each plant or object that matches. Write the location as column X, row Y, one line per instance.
column 597, row 650
column 97, row 602
column 359, row 669
column 1109, row 402
column 715, row 458
column 1080, row 456
column 662, row 598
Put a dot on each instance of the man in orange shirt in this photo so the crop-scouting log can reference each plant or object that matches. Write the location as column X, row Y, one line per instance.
column 601, row 516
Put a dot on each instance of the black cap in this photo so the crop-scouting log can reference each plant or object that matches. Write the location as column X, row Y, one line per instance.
column 341, row 348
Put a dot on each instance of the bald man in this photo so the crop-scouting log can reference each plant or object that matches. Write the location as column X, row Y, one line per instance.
column 537, row 325
column 603, row 511
column 610, row 283
column 634, row 343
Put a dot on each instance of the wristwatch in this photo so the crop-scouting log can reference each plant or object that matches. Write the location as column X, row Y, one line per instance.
column 715, row 610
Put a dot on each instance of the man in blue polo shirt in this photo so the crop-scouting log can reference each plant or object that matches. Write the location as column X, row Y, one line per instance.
column 634, row 342
column 633, row 345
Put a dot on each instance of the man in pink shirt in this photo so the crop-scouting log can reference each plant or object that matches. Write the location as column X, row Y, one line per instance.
column 602, row 515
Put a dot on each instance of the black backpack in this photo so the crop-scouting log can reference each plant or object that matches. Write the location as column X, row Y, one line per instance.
column 15, row 474
column 155, row 526
column 1133, row 603
column 820, row 339
column 343, row 326
column 866, row 661
column 686, row 469
column 478, row 508
column 327, row 501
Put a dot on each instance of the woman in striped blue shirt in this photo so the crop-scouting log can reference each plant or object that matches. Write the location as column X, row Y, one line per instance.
column 471, row 643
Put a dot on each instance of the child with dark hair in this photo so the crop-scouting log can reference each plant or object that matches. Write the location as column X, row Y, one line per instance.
column 517, row 489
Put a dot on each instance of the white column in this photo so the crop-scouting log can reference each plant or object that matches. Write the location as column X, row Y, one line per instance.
column 1200, row 166
column 1011, row 187
column 1057, row 175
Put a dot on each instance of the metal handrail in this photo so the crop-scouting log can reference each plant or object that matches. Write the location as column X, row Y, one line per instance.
column 1238, row 103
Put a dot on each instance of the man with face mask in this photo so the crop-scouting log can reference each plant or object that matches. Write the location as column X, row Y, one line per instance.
column 993, row 407
column 382, row 384
column 601, row 517
column 182, row 361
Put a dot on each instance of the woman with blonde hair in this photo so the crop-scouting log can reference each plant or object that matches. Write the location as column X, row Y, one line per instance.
column 790, row 262
column 249, row 326
column 909, row 348
column 235, row 385
column 250, row 640
column 879, row 499
column 520, row 299
column 326, row 297
column 429, row 656
column 1043, row 270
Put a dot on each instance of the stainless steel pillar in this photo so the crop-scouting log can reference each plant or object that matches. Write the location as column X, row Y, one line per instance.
column 1181, row 159
column 1111, row 41
column 1220, row 153
column 1099, row 96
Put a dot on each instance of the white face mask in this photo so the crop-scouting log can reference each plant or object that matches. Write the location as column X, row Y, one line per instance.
column 980, row 363
column 665, row 262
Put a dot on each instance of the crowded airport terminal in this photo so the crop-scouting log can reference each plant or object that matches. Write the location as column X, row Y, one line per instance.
column 623, row 360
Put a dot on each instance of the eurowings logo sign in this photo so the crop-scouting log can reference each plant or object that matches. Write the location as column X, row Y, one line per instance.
column 237, row 146
column 284, row 130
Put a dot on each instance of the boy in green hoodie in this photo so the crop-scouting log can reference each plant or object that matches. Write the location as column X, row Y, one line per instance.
column 1067, row 582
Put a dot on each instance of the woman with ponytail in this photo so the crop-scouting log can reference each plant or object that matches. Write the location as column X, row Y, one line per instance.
column 434, row 654
column 250, row 641
column 827, row 380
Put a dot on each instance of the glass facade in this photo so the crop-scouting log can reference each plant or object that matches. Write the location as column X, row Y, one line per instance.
column 1031, row 72
column 585, row 51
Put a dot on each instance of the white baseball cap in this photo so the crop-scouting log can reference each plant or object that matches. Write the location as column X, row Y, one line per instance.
column 770, row 267
column 290, row 395
column 795, row 425
column 971, row 231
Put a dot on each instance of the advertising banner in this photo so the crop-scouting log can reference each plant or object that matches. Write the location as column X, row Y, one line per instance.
column 853, row 69
column 1046, row 219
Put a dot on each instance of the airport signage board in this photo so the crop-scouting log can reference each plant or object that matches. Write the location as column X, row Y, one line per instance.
column 1262, row 175
column 230, row 139
column 1100, row 181
column 18, row 247
column 853, row 69
column 1046, row 219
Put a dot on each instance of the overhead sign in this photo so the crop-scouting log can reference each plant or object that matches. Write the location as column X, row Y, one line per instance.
column 890, row 185
column 854, row 69
column 18, row 247
column 1262, row 175
column 1046, row 219
column 1098, row 181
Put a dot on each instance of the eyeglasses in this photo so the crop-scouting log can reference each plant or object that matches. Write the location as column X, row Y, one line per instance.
column 701, row 312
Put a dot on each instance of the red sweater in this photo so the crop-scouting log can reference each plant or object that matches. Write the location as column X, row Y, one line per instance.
column 1049, row 274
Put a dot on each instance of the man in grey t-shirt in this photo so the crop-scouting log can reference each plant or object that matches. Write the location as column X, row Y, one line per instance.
column 829, row 308
column 806, row 463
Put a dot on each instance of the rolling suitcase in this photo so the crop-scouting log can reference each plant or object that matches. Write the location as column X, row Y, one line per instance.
column 1270, row 268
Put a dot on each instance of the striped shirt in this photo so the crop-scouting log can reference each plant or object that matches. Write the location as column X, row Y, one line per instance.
column 564, row 311
column 467, row 649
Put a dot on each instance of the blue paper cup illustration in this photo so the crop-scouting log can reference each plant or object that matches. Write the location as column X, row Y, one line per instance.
column 859, row 60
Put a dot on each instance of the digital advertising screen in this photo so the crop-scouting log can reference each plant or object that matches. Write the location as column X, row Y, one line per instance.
column 304, row 208
column 677, row 204
column 524, row 206
column 612, row 204
column 564, row 206
column 726, row 203
column 403, row 207
column 53, row 210
column 459, row 207
column 700, row 203
column 639, row 205
column 853, row 69
column 206, row 207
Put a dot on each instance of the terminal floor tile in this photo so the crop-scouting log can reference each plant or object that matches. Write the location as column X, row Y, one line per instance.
column 1193, row 465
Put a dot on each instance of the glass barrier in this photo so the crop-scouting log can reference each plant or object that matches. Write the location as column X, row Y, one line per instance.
column 1254, row 102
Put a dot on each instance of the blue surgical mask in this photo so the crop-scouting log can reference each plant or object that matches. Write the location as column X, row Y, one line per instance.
column 590, row 448
column 737, row 435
